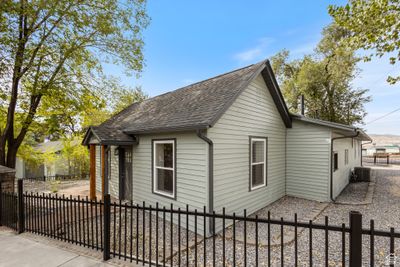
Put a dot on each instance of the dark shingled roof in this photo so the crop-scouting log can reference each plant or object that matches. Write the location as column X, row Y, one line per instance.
column 194, row 107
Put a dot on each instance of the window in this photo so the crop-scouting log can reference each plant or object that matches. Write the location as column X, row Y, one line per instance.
column 346, row 156
column 335, row 161
column 355, row 146
column 258, row 162
column 164, row 167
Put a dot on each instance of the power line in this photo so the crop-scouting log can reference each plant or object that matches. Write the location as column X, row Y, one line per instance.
column 381, row 117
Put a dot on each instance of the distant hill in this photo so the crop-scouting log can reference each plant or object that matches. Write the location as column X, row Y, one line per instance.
column 384, row 139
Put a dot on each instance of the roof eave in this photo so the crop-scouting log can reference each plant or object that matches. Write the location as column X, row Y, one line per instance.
column 276, row 94
column 346, row 128
column 91, row 131
column 323, row 123
column 86, row 138
column 168, row 129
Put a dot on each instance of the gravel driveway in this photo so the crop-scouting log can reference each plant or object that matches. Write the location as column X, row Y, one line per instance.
column 384, row 210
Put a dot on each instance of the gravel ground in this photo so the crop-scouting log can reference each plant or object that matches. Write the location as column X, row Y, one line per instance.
column 285, row 208
column 385, row 210
column 354, row 192
column 67, row 187
column 123, row 224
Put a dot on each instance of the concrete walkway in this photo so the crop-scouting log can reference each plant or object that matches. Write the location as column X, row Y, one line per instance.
column 16, row 250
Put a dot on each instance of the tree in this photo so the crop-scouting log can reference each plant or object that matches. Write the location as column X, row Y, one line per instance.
column 324, row 79
column 51, row 49
column 374, row 25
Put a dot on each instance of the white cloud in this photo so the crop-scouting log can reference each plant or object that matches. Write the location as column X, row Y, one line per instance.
column 256, row 52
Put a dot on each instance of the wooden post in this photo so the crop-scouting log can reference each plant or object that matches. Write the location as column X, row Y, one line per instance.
column 92, row 172
column 103, row 170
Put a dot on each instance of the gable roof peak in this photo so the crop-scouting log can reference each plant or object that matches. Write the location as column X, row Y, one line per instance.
column 192, row 107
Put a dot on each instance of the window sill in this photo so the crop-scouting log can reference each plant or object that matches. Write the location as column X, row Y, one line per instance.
column 173, row 196
column 257, row 187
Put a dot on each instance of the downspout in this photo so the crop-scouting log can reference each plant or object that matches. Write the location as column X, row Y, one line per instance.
column 331, row 171
column 369, row 142
column 202, row 136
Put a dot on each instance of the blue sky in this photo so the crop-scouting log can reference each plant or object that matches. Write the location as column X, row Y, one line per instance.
column 188, row 41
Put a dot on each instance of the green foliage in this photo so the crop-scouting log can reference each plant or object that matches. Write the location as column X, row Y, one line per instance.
column 76, row 156
column 51, row 56
column 324, row 79
column 54, row 186
column 373, row 25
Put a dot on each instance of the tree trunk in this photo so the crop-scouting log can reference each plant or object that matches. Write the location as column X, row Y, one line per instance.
column 12, row 156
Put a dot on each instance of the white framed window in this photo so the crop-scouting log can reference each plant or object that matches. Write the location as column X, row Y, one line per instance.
column 164, row 167
column 258, row 162
column 346, row 156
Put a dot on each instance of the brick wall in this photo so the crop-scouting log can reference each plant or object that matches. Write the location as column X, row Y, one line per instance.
column 7, row 182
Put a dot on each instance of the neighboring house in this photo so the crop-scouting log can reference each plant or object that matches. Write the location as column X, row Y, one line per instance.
column 228, row 141
column 371, row 149
column 54, row 163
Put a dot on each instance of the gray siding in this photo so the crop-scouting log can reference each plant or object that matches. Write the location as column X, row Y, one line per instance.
column 308, row 161
column 252, row 114
column 98, row 168
column 342, row 174
column 191, row 172
column 114, row 180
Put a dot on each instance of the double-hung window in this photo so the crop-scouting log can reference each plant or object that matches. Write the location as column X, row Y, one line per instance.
column 164, row 167
column 346, row 157
column 258, row 162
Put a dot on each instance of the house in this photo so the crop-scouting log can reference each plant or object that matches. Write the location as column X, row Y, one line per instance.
column 228, row 141
column 371, row 149
column 52, row 162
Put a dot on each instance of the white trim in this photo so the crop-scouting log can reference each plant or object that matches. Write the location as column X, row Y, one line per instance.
column 155, row 167
column 264, row 140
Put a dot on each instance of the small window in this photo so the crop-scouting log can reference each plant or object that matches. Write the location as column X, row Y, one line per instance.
column 164, row 167
column 355, row 147
column 258, row 162
column 335, row 161
column 346, row 157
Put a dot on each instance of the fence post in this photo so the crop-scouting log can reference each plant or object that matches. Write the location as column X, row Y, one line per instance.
column 1, row 204
column 106, row 229
column 355, row 238
column 21, row 215
column 387, row 159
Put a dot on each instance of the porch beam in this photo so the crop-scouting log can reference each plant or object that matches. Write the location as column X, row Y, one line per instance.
column 92, row 194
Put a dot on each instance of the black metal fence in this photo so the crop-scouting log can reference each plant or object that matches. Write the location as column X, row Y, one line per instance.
column 8, row 209
column 161, row 236
column 384, row 159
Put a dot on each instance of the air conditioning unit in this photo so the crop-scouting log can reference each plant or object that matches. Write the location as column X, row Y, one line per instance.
column 363, row 174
